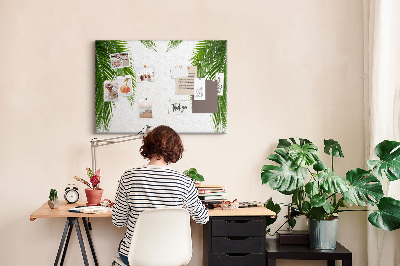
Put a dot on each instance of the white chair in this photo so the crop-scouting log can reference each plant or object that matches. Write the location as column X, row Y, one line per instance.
column 162, row 237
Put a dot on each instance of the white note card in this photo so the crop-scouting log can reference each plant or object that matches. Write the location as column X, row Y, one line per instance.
column 179, row 107
column 199, row 89
column 219, row 77
column 179, row 72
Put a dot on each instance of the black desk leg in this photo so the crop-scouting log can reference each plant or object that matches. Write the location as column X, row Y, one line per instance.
column 331, row 263
column 271, row 262
column 67, row 225
column 90, row 240
column 78, row 232
column 66, row 243
column 346, row 262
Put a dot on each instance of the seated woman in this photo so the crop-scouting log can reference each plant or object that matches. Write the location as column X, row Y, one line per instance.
column 155, row 185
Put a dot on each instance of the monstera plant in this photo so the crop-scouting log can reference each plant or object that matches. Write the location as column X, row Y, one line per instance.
column 320, row 194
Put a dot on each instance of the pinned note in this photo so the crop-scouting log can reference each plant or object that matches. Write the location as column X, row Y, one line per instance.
column 210, row 104
column 145, row 74
column 179, row 72
column 145, row 108
column 179, row 107
column 199, row 89
column 219, row 77
column 185, row 86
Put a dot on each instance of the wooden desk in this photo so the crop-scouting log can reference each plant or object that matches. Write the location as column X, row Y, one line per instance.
column 235, row 237
column 72, row 219
column 304, row 252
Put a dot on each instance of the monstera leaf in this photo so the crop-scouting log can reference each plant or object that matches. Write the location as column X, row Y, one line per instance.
column 364, row 188
column 332, row 146
column 388, row 216
column 304, row 155
column 388, row 153
column 288, row 176
column 331, row 183
column 276, row 208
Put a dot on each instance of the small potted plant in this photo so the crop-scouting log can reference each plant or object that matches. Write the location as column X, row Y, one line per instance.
column 53, row 201
column 320, row 194
column 194, row 175
column 93, row 193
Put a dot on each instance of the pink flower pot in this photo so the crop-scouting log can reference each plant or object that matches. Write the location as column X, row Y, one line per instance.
column 93, row 196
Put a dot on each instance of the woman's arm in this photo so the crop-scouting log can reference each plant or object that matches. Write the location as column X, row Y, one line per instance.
column 120, row 208
column 193, row 205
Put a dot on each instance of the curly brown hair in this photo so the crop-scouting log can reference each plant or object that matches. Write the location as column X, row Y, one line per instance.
column 164, row 142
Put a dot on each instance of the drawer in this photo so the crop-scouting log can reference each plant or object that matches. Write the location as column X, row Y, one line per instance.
column 238, row 227
column 237, row 259
column 237, row 244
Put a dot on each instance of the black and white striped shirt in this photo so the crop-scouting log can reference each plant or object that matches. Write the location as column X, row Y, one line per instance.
column 151, row 187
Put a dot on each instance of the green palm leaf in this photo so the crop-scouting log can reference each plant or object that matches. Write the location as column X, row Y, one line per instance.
column 332, row 146
column 149, row 44
column 331, row 183
column 363, row 188
column 173, row 44
column 210, row 57
column 105, row 72
column 388, row 216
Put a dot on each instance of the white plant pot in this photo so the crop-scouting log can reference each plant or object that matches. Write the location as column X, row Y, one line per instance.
column 54, row 204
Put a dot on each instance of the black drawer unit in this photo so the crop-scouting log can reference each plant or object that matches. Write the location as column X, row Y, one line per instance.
column 234, row 241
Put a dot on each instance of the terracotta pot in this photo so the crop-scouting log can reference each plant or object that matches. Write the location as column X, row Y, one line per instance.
column 93, row 196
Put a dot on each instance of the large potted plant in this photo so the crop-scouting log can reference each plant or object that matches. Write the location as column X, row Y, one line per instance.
column 320, row 194
column 93, row 192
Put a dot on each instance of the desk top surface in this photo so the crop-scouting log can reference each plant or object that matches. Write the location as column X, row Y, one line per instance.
column 62, row 212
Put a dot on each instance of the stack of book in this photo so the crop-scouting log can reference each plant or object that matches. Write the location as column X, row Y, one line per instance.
column 211, row 194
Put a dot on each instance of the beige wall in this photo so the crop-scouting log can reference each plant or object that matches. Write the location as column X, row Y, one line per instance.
column 309, row 59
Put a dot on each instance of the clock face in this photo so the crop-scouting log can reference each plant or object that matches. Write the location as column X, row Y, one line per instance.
column 71, row 196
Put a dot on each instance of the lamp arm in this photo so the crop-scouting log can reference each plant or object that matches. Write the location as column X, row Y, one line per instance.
column 94, row 143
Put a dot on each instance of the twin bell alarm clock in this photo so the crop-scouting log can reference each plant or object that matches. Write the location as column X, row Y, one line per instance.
column 71, row 194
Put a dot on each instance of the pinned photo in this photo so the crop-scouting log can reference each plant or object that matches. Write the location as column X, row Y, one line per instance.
column 145, row 108
column 125, row 85
column 110, row 91
column 145, row 74
column 119, row 60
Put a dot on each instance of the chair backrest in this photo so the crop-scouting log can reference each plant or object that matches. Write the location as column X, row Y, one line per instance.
column 161, row 237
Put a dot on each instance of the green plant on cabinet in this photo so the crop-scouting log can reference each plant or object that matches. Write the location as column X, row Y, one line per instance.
column 194, row 175
column 318, row 193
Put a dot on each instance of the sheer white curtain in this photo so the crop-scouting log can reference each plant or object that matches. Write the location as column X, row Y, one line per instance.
column 383, row 109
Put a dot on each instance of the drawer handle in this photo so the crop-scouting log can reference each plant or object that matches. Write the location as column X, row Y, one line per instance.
column 237, row 221
column 236, row 237
column 237, row 254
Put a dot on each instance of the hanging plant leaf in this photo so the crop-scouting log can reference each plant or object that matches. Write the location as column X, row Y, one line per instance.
column 332, row 146
column 286, row 177
column 364, row 188
column 388, row 153
column 388, row 216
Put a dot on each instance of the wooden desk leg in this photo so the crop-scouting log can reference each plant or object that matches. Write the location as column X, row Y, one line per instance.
column 331, row 263
column 271, row 262
column 67, row 225
column 90, row 241
column 78, row 232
